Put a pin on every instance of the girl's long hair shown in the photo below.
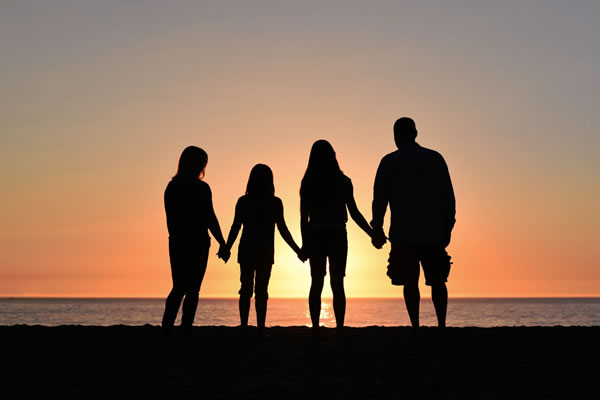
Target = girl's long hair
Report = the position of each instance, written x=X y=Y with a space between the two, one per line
x=192 y=163
x=323 y=173
x=260 y=182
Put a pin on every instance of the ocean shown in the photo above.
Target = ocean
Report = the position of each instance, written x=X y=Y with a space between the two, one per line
x=477 y=312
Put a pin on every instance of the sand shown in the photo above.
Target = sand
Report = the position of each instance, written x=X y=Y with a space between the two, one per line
x=372 y=362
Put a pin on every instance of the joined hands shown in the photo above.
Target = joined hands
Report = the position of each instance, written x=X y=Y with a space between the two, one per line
x=378 y=238
x=302 y=254
x=224 y=253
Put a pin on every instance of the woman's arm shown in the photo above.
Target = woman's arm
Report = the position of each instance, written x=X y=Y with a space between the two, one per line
x=283 y=229
x=213 y=222
x=355 y=212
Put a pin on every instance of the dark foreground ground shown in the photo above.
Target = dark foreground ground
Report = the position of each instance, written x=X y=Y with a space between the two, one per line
x=373 y=362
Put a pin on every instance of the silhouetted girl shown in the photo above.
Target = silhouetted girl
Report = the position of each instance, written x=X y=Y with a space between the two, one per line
x=258 y=211
x=324 y=195
x=190 y=214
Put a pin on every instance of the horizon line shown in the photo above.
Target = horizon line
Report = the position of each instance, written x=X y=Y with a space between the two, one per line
x=24 y=297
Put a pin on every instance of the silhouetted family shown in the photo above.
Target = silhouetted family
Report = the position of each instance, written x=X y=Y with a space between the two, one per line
x=413 y=181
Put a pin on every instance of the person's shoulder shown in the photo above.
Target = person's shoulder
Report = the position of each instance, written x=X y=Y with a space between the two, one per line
x=430 y=153
x=391 y=159
x=277 y=203
x=240 y=204
x=173 y=186
x=168 y=189
x=198 y=187
x=203 y=186
x=346 y=181
x=390 y=156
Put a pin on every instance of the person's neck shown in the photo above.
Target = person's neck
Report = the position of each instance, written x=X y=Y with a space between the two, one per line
x=408 y=142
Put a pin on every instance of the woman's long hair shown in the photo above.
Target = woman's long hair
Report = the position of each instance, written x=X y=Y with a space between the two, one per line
x=192 y=163
x=323 y=173
x=260 y=182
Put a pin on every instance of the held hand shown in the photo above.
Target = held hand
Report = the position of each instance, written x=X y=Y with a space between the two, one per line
x=224 y=253
x=302 y=255
x=378 y=239
x=225 y=256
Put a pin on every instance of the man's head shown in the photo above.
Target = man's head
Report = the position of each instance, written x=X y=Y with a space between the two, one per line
x=405 y=131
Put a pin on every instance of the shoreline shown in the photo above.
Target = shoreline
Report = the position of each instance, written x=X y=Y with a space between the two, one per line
x=368 y=362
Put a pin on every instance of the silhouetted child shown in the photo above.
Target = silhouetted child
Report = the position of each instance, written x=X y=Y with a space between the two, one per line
x=190 y=214
x=258 y=211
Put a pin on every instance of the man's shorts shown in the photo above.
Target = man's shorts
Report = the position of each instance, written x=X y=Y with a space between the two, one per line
x=404 y=269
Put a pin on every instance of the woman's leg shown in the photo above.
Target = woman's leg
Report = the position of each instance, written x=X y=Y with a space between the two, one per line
x=176 y=295
x=172 y=307
x=247 y=281
x=195 y=265
x=314 y=299
x=190 y=303
x=263 y=275
x=339 y=299
x=338 y=254
x=317 y=272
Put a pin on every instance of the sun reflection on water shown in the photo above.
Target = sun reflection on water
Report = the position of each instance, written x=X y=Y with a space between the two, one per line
x=326 y=317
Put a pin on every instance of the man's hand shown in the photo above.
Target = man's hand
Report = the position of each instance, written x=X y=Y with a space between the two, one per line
x=378 y=238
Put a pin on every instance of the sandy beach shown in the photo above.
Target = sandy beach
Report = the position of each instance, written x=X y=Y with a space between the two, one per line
x=372 y=362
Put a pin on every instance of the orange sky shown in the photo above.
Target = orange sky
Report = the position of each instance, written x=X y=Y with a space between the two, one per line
x=98 y=103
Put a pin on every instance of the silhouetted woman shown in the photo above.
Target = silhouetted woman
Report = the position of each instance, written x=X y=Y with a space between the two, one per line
x=259 y=210
x=190 y=214
x=324 y=195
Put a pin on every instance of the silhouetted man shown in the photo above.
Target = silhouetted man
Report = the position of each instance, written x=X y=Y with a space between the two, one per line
x=416 y=184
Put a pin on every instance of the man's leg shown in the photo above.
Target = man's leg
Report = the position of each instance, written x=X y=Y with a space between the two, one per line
x=439 y=295
x=436 y=265
x=404 y=269
x=412 y=297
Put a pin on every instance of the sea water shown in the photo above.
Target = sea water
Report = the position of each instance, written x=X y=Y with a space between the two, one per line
x=479 y=312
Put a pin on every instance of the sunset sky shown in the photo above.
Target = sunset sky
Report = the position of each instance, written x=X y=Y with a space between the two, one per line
x=98 y=99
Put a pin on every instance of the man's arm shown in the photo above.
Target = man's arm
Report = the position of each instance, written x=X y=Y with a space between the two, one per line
x=381 y=198
x=450 y=201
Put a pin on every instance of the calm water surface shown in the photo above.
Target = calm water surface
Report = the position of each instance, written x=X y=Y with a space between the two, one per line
x=294 y=312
